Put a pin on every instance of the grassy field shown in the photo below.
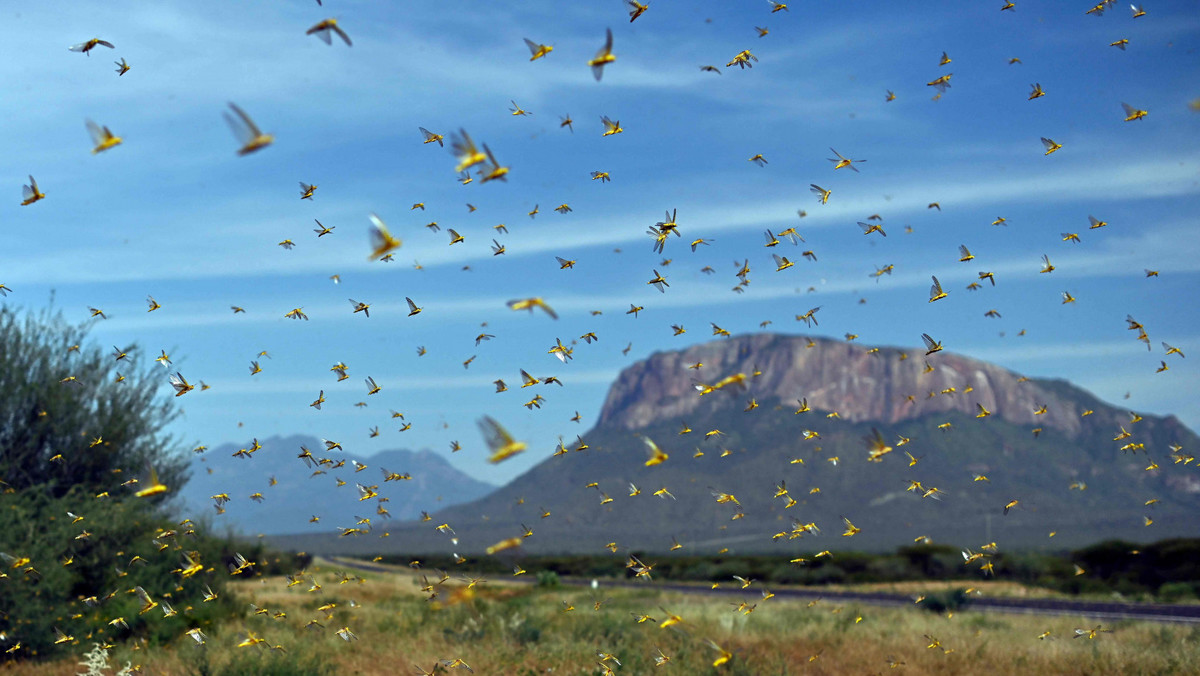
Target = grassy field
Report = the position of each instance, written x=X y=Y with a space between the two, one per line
x=498 y=627
x=991 y=588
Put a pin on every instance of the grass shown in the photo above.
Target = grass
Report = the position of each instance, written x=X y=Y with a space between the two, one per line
x=498 y=627
x=992 y=588
x=1001 y=589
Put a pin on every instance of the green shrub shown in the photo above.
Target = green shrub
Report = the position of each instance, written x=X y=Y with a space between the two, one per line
x=1174 y=592
x=65 y=420
x=76 y=440
x=951 y=600
x=274 y=663
x=828 y=573
x=786 y=573
x=78 y=584
x=889 y=569
x=526 y=633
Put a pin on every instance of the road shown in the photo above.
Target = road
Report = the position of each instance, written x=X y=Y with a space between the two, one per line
x=1100 y=610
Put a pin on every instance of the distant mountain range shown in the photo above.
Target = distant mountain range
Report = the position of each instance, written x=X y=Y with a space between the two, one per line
x=299 y=494
x=1078 y=468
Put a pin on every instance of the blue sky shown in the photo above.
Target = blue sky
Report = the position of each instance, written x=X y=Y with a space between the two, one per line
x=173 y=212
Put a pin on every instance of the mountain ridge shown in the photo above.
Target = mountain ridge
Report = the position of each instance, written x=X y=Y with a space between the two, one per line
x=286 y=505
x=1067 y=470
x=852 y=388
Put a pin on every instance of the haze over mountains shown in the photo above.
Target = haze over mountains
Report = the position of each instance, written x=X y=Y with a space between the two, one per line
x=299 y=494
x=1052 y=447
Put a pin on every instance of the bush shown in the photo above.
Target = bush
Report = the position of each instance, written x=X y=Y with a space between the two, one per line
x=787 y=573
x=548 y=579
x=889 y=569
x=67 y=422
x=77 y=584
x=76 y=539
x=828 y=573
x=265 y=662
x=1175 y=592
x=951 y=600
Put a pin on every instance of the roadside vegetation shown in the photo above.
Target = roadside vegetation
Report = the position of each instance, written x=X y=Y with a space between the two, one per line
x=499 y=627
x=1167 y=571
x=86 y=479
x=98 y=576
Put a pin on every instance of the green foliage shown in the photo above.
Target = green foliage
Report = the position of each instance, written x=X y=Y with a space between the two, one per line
x=79 y=575
x=1122 y=567
x=930 y=561
x=266 y=562
x=950 y=600
x=249 y=664
x=75 y=540
x=305 y=659
x=59 y=396
x=1140 y=569
x=548 y=579
x=1175 y=592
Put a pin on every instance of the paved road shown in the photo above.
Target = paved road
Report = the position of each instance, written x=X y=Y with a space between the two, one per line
x=1152 y=612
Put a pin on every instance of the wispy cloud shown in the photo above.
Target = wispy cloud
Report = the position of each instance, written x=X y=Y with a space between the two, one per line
x=1108 y=260
x=1055 y=353
x=399 y=381
x=175 y=213
x=240 y=250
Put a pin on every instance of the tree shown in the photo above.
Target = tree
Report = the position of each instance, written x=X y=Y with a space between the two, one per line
x=72 y=415
x=77 y=427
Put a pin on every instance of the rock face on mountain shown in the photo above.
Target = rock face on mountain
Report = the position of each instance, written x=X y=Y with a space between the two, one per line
x=884 y=385
x=1079 y=468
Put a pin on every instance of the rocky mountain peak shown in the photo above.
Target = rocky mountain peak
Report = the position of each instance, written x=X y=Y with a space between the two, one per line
x=859 y=382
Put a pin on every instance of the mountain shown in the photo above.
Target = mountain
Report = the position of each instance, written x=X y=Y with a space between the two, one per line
x=288 y=505
x=1045 y=443
x=860 y=383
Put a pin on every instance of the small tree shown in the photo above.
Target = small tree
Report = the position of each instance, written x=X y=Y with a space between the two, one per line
x=75 y=539
x=67 y=419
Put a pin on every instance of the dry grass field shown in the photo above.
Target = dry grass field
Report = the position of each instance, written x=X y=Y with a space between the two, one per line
x=498 y=627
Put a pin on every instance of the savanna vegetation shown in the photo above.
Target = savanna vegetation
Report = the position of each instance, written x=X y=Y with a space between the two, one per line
x=496 y=626
x=80 y=443
x=96 y=574
x=1167 y=571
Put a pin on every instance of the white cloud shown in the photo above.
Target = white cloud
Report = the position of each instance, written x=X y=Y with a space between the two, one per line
x=232 y=255
x=1035 y=352
x=398 y=381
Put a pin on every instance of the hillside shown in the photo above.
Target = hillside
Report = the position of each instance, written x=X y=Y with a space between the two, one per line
x=1070 y=478
x=288 y=505
x=860 y=383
